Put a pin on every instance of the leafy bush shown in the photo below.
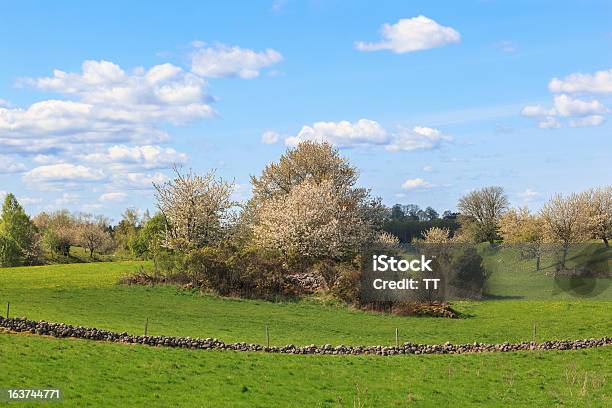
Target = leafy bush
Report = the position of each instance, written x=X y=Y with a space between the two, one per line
x=10 y=253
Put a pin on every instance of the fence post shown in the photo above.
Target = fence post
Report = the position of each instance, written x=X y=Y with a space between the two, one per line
x=396 y=337
x=534 y=333
x=146 y=326
x=267 y=336
x=8 y=309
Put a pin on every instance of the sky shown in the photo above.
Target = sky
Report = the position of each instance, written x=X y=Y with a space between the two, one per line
x=428 y=99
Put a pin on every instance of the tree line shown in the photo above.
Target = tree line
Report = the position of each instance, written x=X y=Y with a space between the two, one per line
x=306 y=214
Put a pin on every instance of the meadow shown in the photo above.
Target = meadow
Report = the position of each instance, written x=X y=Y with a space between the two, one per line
x=94 y=374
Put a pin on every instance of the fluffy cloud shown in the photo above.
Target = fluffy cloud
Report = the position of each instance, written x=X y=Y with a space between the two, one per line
x=549 y=123
x=412 y=184
x=567 y=106
x=365 y=132
x=231 y=61
x=537 y=110
x=417 y=138
x=412 y=34
x=10 y=165
x=269 y=137
x=113 y=196
x=61 y=175
x=342 y=134
x=147 y=157
x=568 y=110
x=598 y=82
x=593 y=120
x=108 y=105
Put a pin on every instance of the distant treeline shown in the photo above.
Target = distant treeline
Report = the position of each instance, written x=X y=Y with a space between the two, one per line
x=410 y=221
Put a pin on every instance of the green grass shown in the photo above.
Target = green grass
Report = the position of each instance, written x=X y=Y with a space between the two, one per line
x=513 y=277
x=88 y=295
x=109 y=375
x=105 y=374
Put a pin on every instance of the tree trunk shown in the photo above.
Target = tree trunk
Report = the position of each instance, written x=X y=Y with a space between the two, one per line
x=538 y=262
x=605 y=240
x=91 y=253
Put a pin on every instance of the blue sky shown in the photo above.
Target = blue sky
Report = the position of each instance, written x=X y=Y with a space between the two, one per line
x=428 y=99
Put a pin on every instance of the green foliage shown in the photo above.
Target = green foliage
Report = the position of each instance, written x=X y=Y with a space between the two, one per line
x=407 y=229
x=20 y=232
x=10 y=253
x=238 y=271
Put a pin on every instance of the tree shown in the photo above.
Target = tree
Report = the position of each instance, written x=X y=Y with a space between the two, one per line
x=397 y=213
x=437 y=235
x=598 y=204
x=309 y=160
x=58 y=231
x=195 y=209
x=316 y=221
x=565 y=221
x=483 y=208
x=16 y=225
x=431 y=214
x=93 y=237
x=520 y=228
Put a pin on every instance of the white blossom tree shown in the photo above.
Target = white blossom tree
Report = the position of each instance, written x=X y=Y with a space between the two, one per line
x=316 y=220
x=195 y=209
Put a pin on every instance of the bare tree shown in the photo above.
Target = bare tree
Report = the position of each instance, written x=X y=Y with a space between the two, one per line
x=483 y=208
x=195 y=209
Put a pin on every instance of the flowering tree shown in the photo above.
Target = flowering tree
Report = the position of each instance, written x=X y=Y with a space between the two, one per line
x=315 y=221
x=598 y=205
x=520 y=227
x=195 y=209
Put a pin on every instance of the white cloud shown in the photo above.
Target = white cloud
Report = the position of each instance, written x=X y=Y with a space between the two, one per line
x=529 y=194
x=598 y=82
x=113 y=196
x=427 y=168
x=549 y=123
x=108 y=105
x=537 y=110
x=342 y=134
x=593 y=120
x=506 y=46
x=62 y=172
x=366 y=132
x=10 y=165
x=417 y=138
x=4 y=102
x=29 y=200
x=147 y=157
x=139 y=180
x=223 y=60
x=67 y=198
x=412 y=34
x=269 y=137
x=567 y=106
x=412 y=184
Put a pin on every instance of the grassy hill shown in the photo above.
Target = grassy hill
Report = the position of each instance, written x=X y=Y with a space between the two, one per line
x=88 y=294
x=100 y=374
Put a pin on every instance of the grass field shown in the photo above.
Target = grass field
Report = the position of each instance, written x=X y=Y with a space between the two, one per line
x=101 y=374
x=88 y=295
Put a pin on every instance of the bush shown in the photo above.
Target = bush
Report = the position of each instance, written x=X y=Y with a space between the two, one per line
x=10 y=253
